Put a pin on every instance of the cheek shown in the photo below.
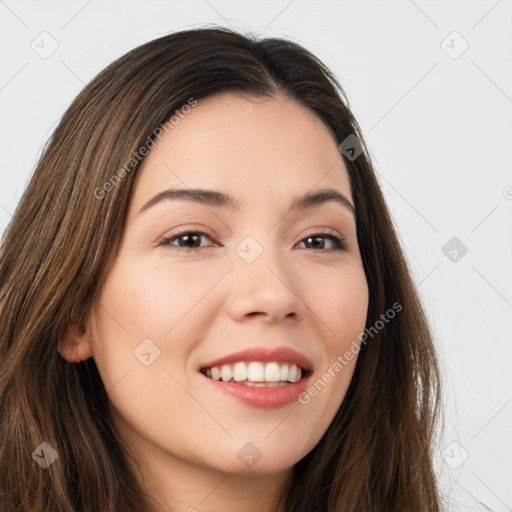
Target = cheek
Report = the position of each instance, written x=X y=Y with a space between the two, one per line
x=340 y=306
x=340 y=303
x=150 y=299
x=142 y=309
x=167 y=304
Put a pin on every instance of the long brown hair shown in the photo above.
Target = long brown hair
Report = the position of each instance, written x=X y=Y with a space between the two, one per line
x=377 y=454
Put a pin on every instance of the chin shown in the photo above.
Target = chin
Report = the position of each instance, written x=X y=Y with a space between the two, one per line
x=257 y=457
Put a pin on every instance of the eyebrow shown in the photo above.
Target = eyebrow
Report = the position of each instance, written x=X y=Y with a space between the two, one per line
x=218 y=199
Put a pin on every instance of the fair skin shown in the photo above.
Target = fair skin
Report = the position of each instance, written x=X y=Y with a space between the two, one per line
x=200 y=305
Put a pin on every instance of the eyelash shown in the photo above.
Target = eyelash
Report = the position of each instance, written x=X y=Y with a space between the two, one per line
x=339 y=242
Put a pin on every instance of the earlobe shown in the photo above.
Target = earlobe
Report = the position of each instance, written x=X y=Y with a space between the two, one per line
x=75 y=346
x=74 y=351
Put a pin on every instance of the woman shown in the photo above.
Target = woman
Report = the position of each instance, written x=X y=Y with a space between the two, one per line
x=204 y=303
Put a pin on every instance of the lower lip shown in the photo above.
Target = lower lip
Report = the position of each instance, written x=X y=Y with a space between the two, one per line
x=261 y=397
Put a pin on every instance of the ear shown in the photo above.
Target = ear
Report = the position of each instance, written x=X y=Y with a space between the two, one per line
x=75 y=345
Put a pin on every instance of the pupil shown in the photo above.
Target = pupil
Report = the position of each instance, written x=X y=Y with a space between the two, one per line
x=188 y=238
x=317 y=238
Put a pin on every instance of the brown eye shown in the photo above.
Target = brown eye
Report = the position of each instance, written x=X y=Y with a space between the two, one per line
x=317 y=241
x=190 y=241
x=187 y=240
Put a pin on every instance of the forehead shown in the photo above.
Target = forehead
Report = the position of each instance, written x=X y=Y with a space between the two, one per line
x=259 y=150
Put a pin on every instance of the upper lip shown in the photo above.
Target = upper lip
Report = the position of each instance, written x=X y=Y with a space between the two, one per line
x=278 y=354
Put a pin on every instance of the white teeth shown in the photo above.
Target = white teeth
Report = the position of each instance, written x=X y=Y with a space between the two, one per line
x=284 y=372
x=272 y=373
x=239 y=372
x=226 y=372
x=292 y=373
x=256 y=373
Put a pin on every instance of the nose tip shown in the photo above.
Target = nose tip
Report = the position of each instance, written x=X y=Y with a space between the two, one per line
x=263 y=294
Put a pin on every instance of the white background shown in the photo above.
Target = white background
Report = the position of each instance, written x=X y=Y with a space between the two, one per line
x=439 y=129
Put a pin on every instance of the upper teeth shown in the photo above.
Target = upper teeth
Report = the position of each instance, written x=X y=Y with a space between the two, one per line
x=256 y=372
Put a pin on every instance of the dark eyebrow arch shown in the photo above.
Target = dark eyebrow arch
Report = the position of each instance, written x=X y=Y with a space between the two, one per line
x=319 y=197
x=222 y=200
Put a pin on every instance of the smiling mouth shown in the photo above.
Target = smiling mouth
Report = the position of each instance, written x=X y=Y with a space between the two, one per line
x=257 y=374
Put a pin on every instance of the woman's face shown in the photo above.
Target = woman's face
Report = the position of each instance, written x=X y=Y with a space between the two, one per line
x=178 y=302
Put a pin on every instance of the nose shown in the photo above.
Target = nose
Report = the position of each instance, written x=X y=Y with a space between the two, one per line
x=266 y=288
